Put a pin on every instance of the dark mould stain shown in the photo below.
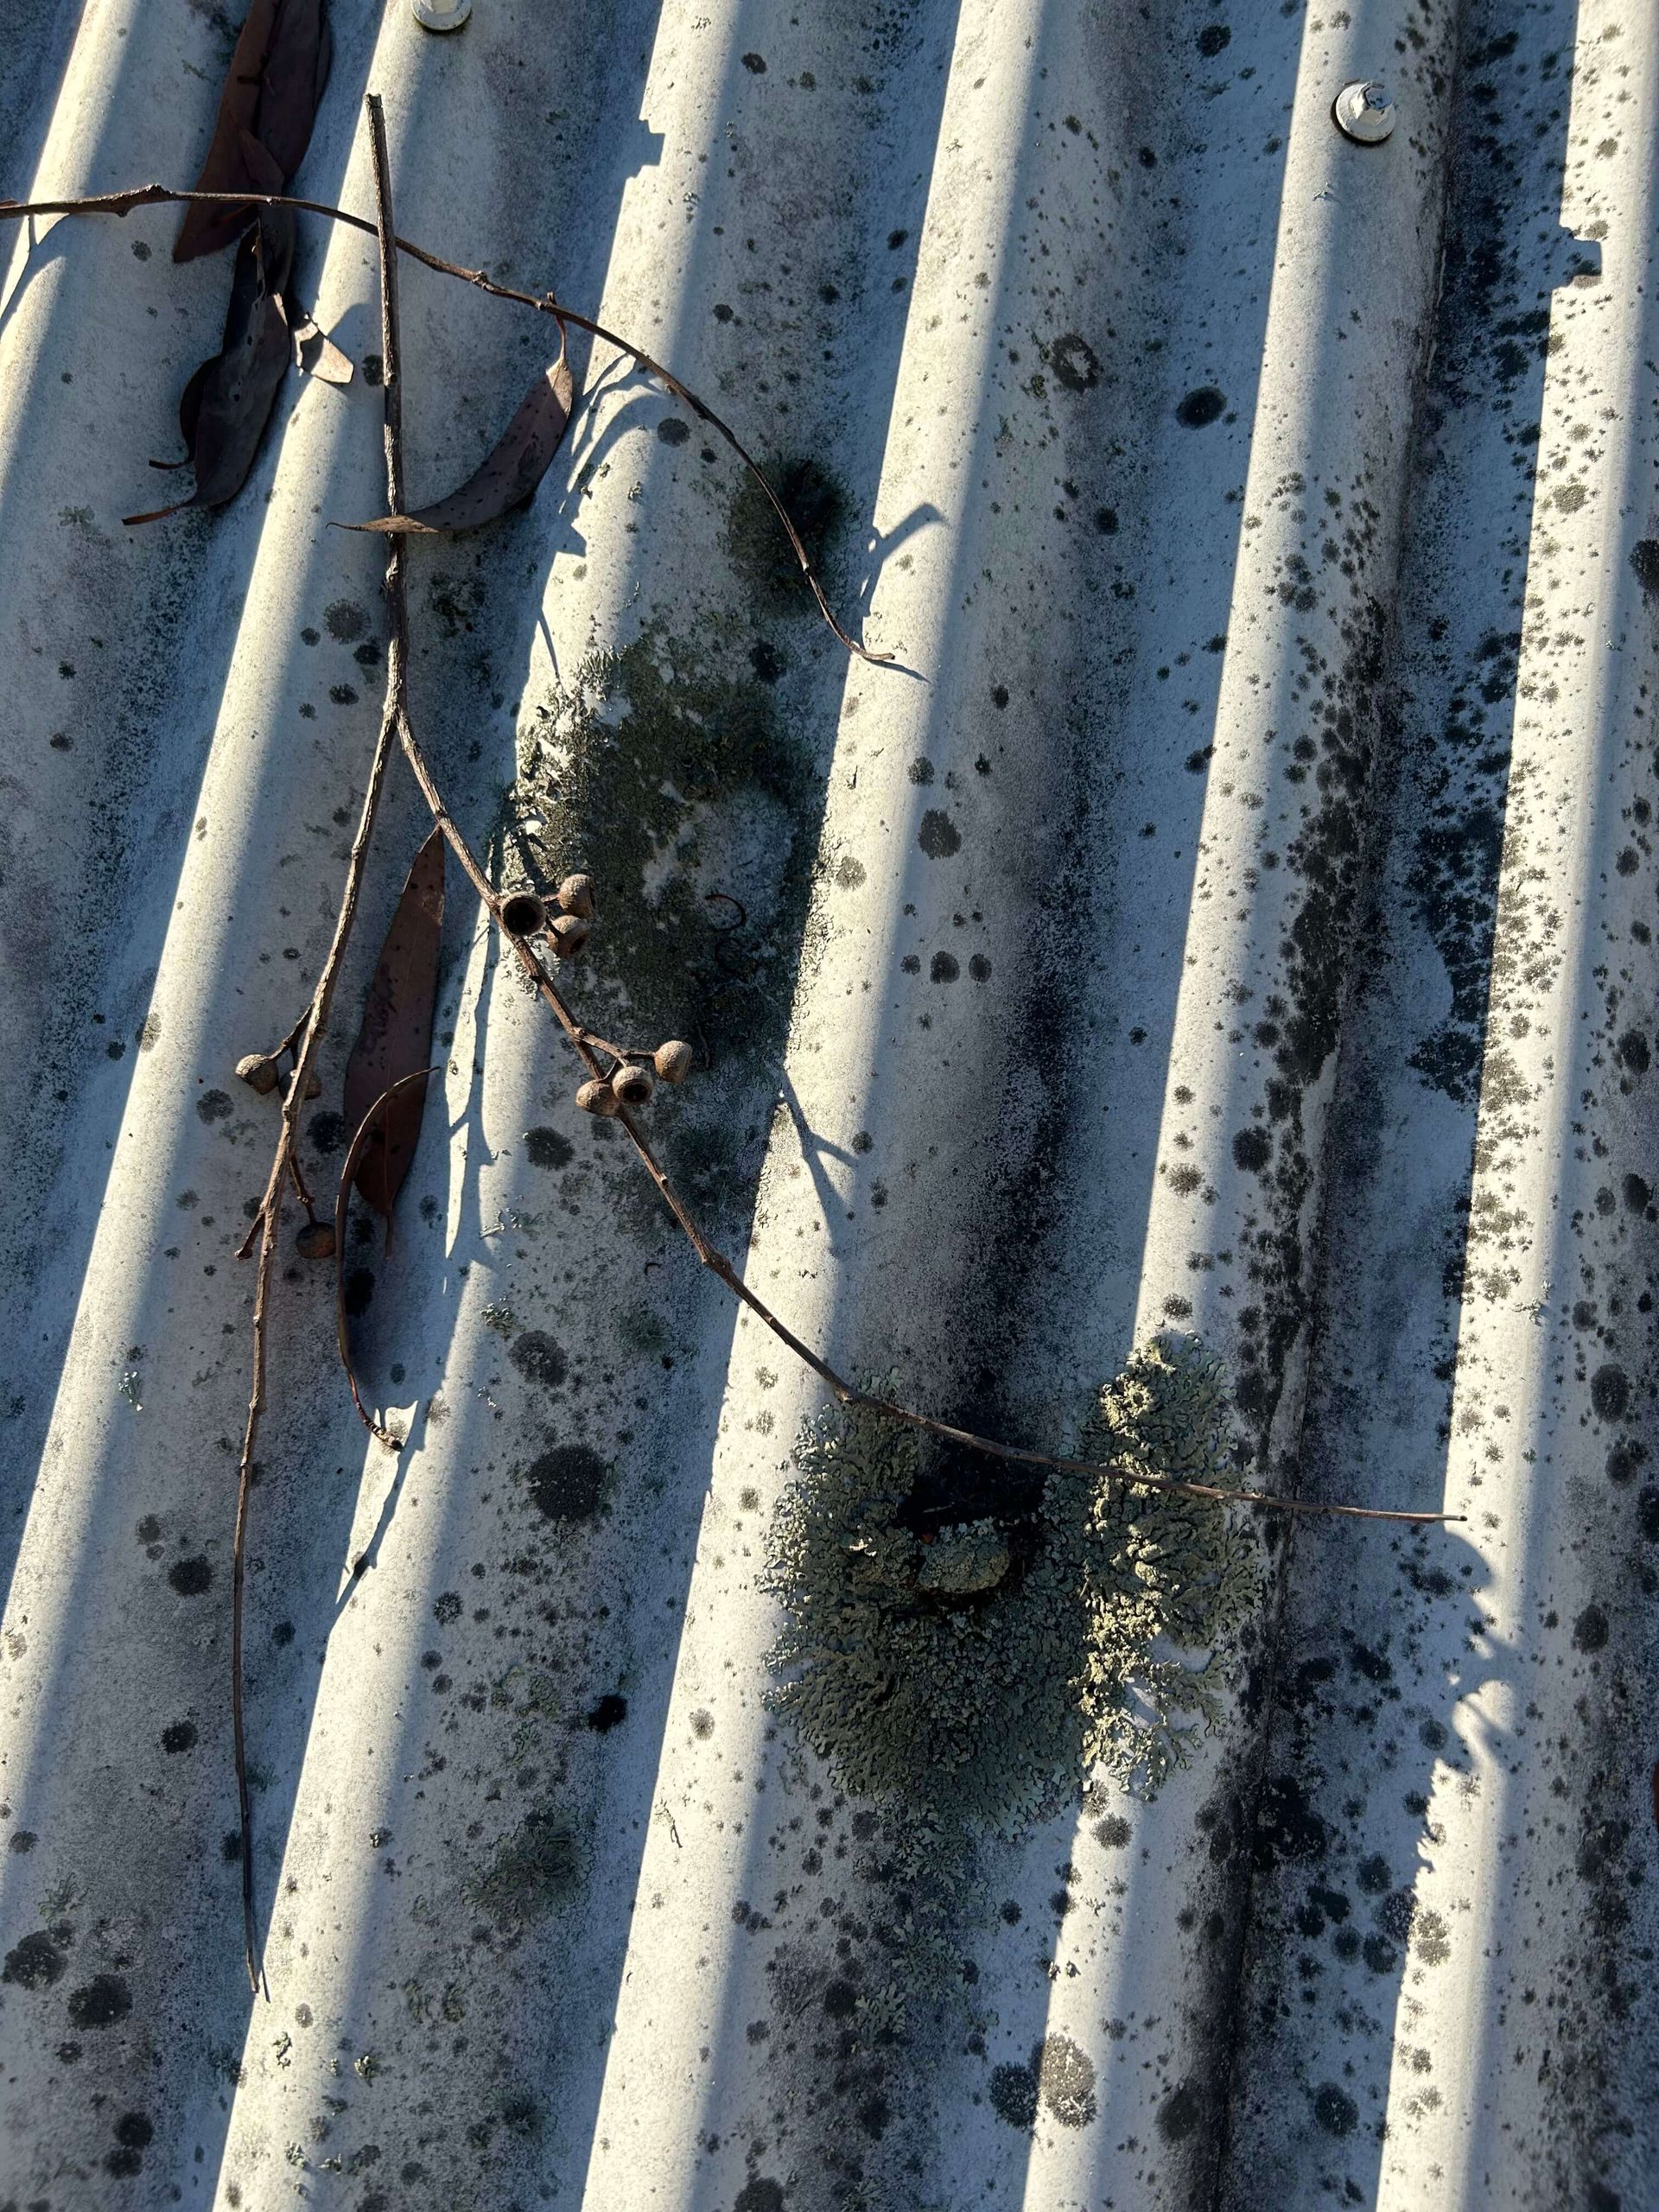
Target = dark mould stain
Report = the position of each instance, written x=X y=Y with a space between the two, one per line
x=1014 y=2096
x=672 y=431
x=755 y=64
x=327 y=1132
x=1075 y=363
x=35 y=1963
x=1252 y=1149
x=945 y=968
x=360 y=1290
x=1610 y=1391
x=1200 y=407
x=1212 y=39
x=767 y=661
x=547 y=1148
x=345 y=619
x=938 y=836
x=1286 y=1826
x=100 y=2003
x=759 y=2196
x=1590 y=1630
x=1180 y=2113
x=1644 y=564
x=215 y=1106
x=537 y=1356
x=180 y=1737
x=610 y=1712
x=1335 y=2110
x=190 y=1577
x=567 y=1483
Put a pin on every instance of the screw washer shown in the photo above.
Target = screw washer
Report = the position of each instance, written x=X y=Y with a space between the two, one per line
x=1362 y=111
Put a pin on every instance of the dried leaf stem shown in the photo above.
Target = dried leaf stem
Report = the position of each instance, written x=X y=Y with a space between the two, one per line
x=153 y=195
x=268 y=1221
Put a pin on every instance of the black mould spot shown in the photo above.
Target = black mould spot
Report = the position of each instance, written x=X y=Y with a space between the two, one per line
x=134 y=2129
x=567 y=1483
x=1180 y=2113
x=755 y=64
x=1112 y=1833
x=1212 y=39
x=999 y=696
x=1644 y=561
x=945 y=968
x=282 y=1634
x=1075 y=363
x=547 y=1148
x=672 y=431
x=345 y=619
x=448 y=1608
x=758 y=2195
x=1014 y=2096
x=326 y=1131
x=148 y=1530
x=1335 y=2110
x=610 y=1712
x=22 y=1840
x=360 y=1290
x=767 y=661
x=343 y=695
x=980 y=969
x=1590 y=1630
x=1373 y=1876
x=1106 y=521
x=1610 y=1392
x=921 y=769
x=215 y=1106
x=537 y=1356
x=938 y=836
x=100 y=2003
x=1639 y=1194
x=1633 y=1047
x=1200 y=407
x=190 y=1577
x=1286 y=1826
x=180 y=1737
x=35 y=1963
x=841 y=2001
x=849 y=873
x=1252 y=1149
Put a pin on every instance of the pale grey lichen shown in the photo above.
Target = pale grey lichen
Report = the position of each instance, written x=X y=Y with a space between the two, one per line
x=978 y=1679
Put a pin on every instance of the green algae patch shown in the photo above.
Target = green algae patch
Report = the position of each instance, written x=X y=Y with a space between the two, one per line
x=676 y=784
x=978 y=1676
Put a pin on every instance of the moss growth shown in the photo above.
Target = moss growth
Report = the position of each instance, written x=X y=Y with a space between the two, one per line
x=535 y=1870
x=1089 y=1637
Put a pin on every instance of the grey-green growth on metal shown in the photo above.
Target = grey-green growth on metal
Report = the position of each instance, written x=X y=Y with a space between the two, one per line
x=980 y=1690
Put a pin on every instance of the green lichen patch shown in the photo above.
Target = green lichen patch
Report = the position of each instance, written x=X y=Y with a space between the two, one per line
x=981 y=1692
x=535 y=1870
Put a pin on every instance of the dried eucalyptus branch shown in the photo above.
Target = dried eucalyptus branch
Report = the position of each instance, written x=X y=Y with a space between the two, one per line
x=153 y=195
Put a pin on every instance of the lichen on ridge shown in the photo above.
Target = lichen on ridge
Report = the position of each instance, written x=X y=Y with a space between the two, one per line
x=979 y=1676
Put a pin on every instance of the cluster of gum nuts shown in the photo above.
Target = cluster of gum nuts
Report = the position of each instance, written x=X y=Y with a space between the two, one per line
x=635 y=1076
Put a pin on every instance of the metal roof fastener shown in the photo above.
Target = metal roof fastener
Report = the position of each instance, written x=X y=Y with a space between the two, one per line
x=441 y=14
x=1364 y=112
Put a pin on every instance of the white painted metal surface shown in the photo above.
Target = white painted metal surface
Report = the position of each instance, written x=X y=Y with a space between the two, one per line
x=1235 y=912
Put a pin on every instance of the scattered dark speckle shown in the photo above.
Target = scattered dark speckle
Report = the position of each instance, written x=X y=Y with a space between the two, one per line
x=100 y=2003
x=190 y=1577
x=1200 y=407
x=938 y=836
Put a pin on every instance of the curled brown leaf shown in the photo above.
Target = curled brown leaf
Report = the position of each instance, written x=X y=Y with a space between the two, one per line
x=511 y=469
x=272 y=94
x=395 y=1037
x=393 y=1100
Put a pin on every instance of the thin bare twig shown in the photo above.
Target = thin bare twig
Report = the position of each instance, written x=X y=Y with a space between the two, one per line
x=268 y=1221
x=153 y=195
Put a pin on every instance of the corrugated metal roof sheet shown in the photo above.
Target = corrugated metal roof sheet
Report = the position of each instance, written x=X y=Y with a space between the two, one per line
x=1236 y=913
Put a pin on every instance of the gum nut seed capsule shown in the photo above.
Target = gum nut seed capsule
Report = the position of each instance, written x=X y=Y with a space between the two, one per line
x=597 y=1097
x=632 y=1083
x=672 y=1061
x=570 y=936
x=316 y=1241
x=258 y=1071
x=576 y=895
x=523 y=914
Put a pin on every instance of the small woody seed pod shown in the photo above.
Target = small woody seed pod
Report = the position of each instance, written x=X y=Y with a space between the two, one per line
x=258 y=1071
x=315 y=1241
x=576 y=895
x=633 y=1084
x=672 y=1061
x=569 y=935
x=523 y=914
x=597 y=1097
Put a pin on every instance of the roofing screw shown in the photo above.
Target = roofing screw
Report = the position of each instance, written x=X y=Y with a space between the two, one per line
x=1363 y=112
x=442 y=15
